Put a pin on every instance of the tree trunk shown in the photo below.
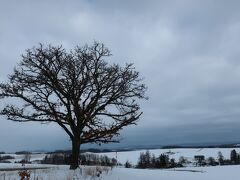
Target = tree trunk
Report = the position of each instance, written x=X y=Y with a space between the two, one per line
x=74 y=161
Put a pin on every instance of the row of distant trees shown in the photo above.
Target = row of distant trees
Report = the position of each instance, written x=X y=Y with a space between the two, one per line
x=220 y=160
x=148 y=160
x=84 y=159
x=5 y=158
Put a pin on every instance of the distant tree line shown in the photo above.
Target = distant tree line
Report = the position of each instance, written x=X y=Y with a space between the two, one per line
x=56 y=158
x=22 y=152
x=6 y=158
x=94 y=159
x=84 y=159
x=91 y=150
x=148 y=160
x=221 y=160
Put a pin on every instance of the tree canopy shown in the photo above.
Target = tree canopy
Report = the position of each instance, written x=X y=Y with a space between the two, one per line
x=90 y=98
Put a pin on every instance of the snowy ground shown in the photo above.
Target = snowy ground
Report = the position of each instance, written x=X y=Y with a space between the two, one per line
x=54 y=172
x=193 y=173
x=9 y=171
x=19 y=157
x=206 y=173
x=133 y=156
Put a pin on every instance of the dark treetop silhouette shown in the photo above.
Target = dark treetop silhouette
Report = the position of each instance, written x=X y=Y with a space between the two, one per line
x=92 y=100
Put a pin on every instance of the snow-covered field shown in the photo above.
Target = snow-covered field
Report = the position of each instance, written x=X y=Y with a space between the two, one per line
x=133 y=156
x=19 y=157
x=62 y=172
x=205 y=173
x=54 y=172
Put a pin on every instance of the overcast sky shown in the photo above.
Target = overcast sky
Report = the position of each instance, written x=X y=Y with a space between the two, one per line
x=187 y=51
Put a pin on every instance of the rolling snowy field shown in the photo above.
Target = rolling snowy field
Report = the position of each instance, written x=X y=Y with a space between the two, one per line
x=19 y=157
x=193 y=173
x=9 y=171
x=133 y=156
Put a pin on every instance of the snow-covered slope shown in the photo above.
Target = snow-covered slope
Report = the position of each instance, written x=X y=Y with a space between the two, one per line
x=19 y=157
x=133 y=156
x=205 y=173
x=54 y=172
x=194 y=173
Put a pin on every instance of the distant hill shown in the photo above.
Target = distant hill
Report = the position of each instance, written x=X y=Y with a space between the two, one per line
x=139 y=147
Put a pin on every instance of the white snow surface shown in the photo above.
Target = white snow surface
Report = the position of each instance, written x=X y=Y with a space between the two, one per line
x=19 y=157
x=194 y=173
x=62 y=172
x=132 y=156
x=205 y=173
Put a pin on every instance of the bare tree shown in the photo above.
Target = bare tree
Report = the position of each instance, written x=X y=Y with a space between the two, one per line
x=91 y=99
